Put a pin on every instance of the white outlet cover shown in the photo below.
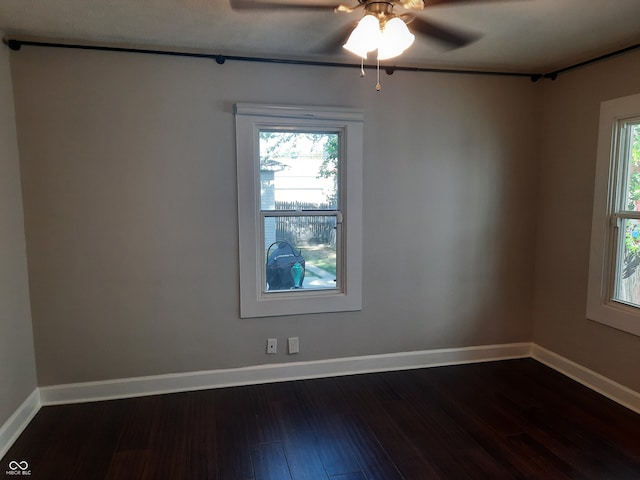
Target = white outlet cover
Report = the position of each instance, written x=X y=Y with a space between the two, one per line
x=294 y=346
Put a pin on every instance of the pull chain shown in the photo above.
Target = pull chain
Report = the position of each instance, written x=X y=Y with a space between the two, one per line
x=378 y=86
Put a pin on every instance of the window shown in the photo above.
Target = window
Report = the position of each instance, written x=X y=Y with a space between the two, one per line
x=299 y=208
x=614 y=269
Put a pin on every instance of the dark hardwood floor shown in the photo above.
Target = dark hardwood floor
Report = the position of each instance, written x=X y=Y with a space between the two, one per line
x=513 y=419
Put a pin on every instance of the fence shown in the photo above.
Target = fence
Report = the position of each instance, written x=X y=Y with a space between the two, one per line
x=306 y=229
x=629 y=284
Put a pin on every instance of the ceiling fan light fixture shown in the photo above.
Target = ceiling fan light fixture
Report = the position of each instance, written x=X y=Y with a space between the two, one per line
x=365 y=37
x=395 y=39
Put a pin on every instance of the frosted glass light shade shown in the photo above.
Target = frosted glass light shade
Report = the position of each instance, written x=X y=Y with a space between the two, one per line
x=396 y=38
x=365 y=37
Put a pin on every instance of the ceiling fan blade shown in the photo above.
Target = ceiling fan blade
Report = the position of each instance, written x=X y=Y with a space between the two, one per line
x=449 y=36
x=270 y=5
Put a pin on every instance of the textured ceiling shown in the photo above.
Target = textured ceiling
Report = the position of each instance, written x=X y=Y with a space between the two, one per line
x=517 y=36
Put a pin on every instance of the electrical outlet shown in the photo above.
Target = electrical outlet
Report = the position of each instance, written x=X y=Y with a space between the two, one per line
x=294 y=345
x=272 y=345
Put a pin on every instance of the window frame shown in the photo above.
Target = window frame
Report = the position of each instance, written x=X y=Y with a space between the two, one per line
x=609 y=212
x=347 y=296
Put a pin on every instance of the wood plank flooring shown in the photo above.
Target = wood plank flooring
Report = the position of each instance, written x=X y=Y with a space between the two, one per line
x=513 y=419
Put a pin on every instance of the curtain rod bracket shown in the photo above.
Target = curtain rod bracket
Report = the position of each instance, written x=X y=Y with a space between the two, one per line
x=12 y=43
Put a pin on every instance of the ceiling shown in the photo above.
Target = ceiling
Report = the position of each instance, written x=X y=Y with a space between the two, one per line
x=531 y=36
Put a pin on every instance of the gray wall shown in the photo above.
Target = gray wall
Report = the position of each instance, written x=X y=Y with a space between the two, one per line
x=17 y=364
x=130 y=211
x=567 y=161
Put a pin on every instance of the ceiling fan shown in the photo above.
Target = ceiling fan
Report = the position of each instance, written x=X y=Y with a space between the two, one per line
x=384 y=12
x=380 y=27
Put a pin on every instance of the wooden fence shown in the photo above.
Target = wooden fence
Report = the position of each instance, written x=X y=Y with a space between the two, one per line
x=629 y=287
x=306 y=229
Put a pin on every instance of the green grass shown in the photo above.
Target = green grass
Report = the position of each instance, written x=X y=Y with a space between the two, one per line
x=321 y=256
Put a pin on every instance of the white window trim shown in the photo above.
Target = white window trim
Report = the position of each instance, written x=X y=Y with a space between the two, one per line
x=600 y=305
x=250 y=118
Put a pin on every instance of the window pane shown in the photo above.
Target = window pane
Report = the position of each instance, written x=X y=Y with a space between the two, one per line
x=627 y=280
x=298 y=170
x=300 y=252
x=631 y=156
x=628 y=271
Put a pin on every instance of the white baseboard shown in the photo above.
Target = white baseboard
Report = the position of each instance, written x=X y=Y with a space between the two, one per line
x=141 y=386
x=159 y=384
x=13 y=427
x=599 y=383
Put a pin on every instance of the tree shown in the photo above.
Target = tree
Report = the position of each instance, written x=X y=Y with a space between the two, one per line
x=631 y=230
x=329 y=166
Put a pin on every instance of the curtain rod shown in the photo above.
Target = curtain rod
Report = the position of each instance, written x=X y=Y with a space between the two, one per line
x=554 y=74
x=15 y=44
